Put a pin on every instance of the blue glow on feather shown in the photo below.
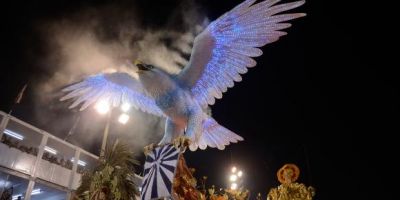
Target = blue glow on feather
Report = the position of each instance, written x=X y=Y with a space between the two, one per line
x=117 y=95
x=236 y=35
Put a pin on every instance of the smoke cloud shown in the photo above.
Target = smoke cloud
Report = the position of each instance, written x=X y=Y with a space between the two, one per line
x=101 y=39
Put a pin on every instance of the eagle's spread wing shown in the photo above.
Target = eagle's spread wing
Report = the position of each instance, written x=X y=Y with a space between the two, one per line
x=115 y=88
x=224 y=49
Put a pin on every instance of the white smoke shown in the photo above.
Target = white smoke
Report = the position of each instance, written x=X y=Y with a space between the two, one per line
x=84 y=44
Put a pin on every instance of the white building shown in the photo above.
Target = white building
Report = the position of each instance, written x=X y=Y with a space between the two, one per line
x=37 y=165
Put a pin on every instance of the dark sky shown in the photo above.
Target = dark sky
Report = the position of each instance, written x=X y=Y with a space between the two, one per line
x=320 y=97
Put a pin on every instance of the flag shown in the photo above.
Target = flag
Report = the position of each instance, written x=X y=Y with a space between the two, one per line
x=20 y=94
x=159 y=172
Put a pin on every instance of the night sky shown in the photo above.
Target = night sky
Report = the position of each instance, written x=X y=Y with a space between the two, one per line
x=320 y=97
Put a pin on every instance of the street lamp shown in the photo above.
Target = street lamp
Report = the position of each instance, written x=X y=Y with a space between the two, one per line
x=233 y=169
x=123 y=118
x=240 y=174
x=125 y=107
x=233 y=186
x=103 y=107
x=235 y=178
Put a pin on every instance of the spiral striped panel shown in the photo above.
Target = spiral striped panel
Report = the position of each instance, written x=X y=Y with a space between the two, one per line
x=159 y=171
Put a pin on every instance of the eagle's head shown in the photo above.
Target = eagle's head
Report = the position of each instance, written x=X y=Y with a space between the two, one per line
x=152 y=78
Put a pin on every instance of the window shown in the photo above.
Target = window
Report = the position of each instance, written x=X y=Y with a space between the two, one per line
x=12 y=186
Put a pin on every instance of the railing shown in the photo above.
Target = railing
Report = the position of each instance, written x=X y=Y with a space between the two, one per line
x=38 y=154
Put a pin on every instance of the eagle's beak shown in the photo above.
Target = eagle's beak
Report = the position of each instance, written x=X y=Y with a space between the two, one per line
x=142 y=67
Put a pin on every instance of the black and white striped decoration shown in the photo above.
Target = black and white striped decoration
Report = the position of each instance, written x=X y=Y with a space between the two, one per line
x=159 y=172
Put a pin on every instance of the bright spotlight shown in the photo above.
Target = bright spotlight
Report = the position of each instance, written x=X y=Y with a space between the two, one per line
x=80 y=162
x=233 y=169
x=50 y=150
x=102 y=107
x=240 y=173
x=13 y=134
x=125 y=107
x=36 y=191
x=233 y=186
x=233 y=178
x=123 y=118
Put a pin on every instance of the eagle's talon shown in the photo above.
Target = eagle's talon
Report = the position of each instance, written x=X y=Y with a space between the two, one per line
x=181 y=141
x=147 y=149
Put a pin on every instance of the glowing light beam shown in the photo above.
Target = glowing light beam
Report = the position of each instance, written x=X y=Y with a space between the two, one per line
x=102 y=107
x=13 y=134
x=125 y=107
x=50 y=150
x=123 y=118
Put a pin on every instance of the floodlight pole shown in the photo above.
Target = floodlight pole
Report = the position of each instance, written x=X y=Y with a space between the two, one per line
x=105 y=134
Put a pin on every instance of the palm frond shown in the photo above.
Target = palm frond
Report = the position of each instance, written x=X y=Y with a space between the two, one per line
x=112 y=178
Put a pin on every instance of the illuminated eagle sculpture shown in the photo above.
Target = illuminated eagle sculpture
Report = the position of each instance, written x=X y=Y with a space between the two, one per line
x=221 y=53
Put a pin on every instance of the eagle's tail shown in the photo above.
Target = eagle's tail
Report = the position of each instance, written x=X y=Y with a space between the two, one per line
x=215 y=136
